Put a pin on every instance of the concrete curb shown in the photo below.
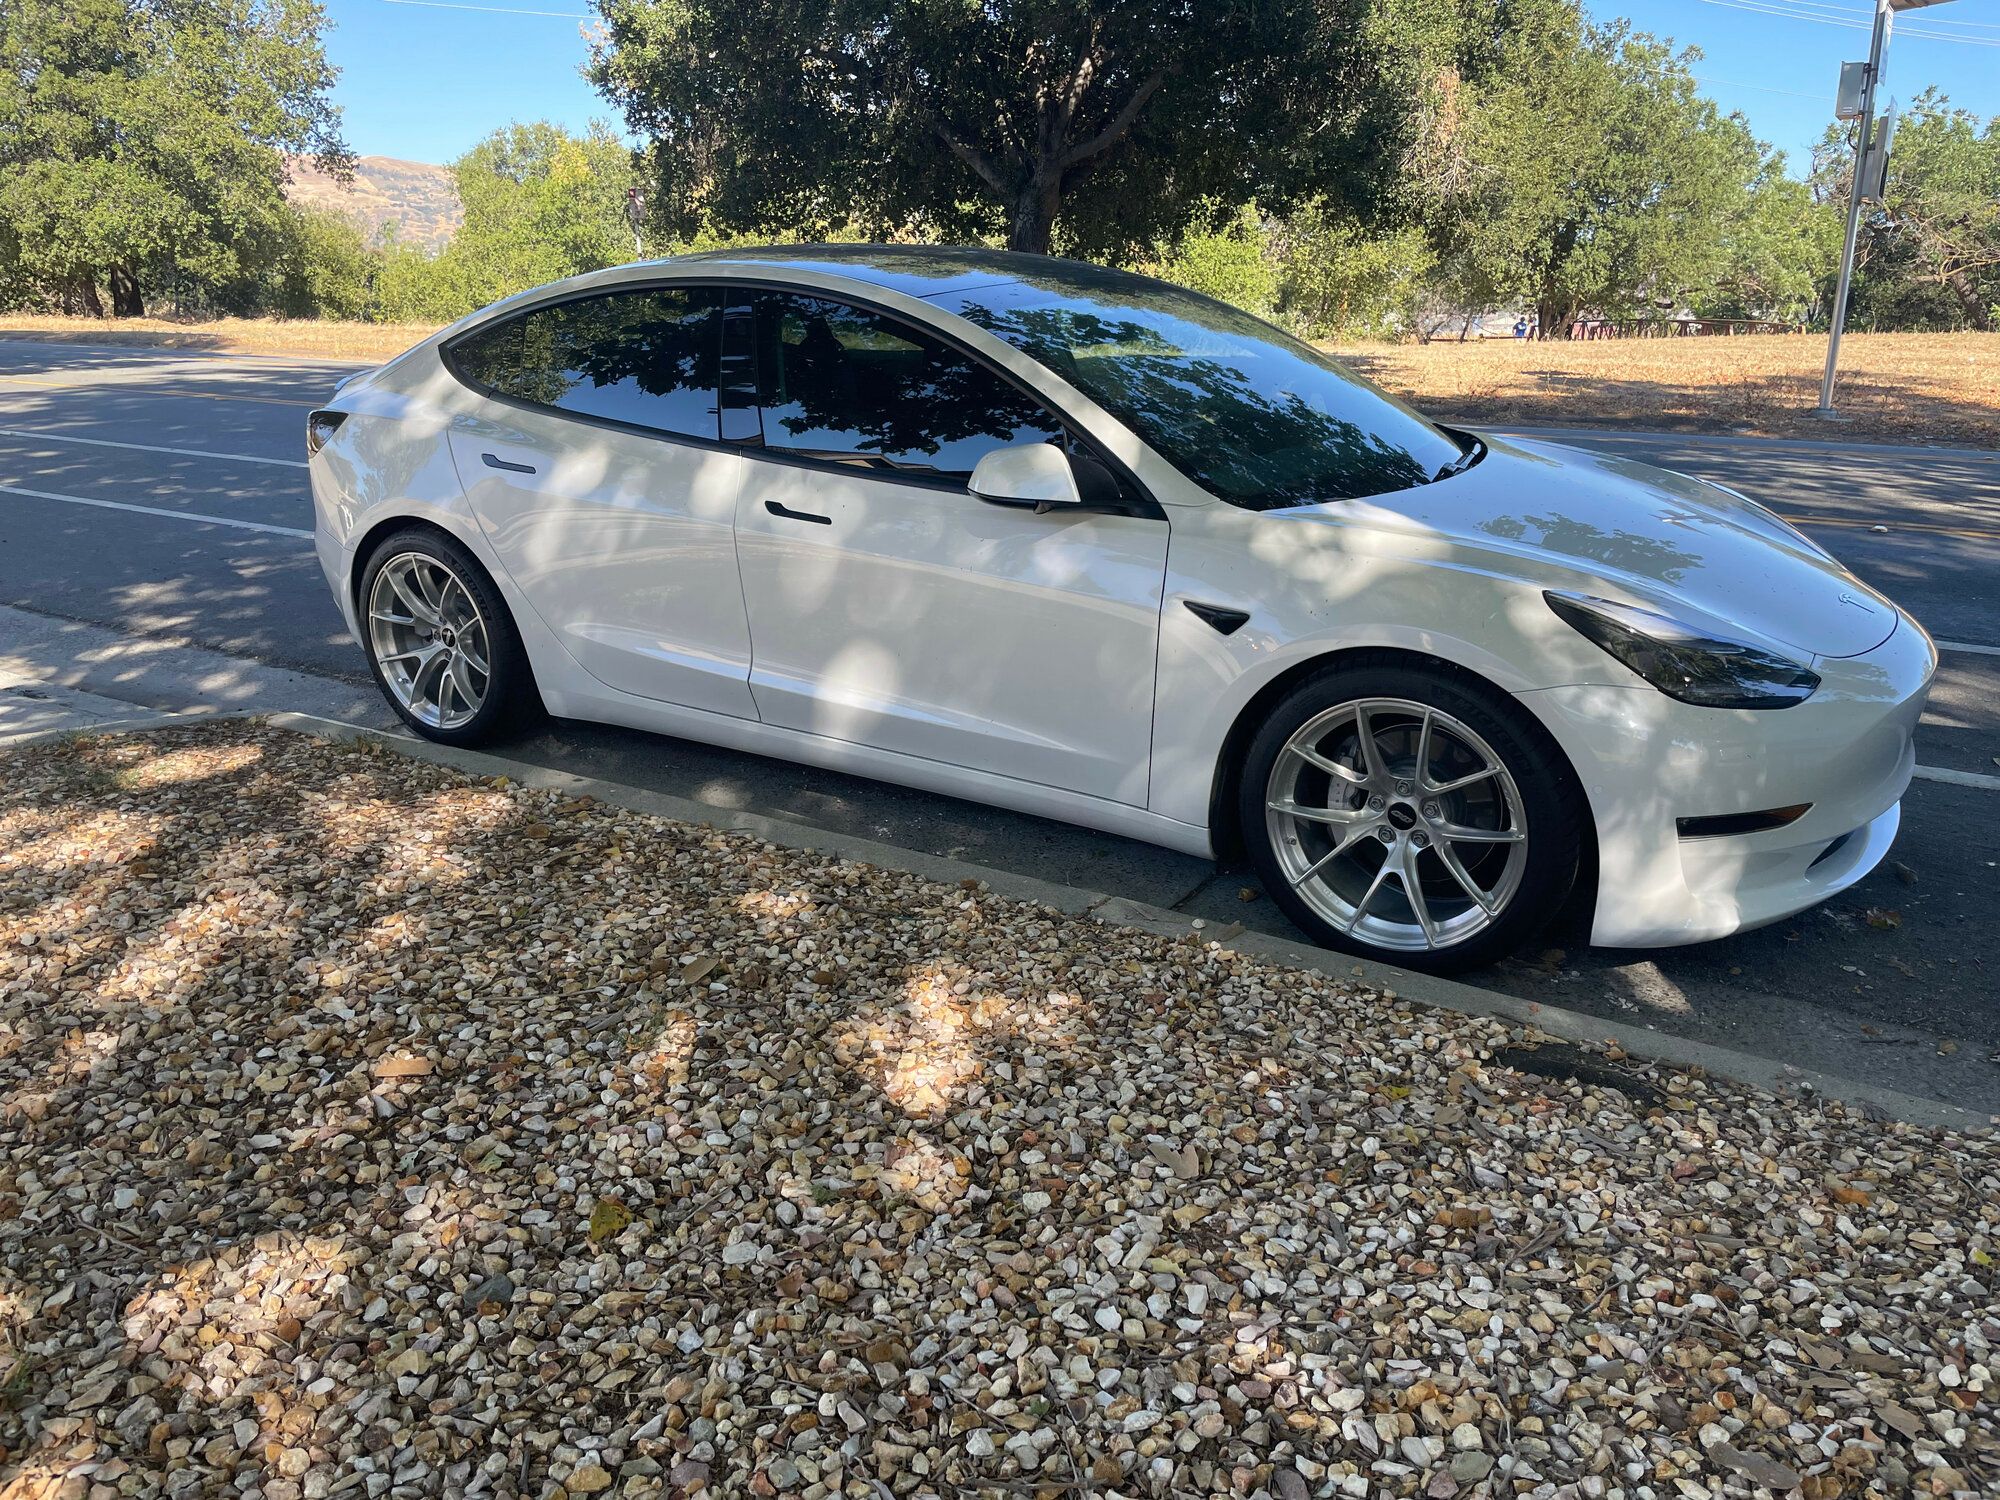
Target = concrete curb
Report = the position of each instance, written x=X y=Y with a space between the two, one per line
x=1426 y=989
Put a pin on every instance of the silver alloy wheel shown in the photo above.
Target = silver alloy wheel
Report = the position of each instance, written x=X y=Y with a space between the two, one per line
x=1384 y=790
x=429 y=638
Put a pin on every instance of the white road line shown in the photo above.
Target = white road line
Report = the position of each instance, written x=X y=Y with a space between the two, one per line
x=156 y=510
x=1965 y=646
x=239 y=458
x=1959 y=778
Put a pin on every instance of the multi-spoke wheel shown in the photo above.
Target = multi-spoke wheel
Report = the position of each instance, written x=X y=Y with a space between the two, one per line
x=439 y=638
x=1409 y=817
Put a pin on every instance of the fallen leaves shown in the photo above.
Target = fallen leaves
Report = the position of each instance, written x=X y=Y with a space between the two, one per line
x=405 y=1067
x=609 y=1218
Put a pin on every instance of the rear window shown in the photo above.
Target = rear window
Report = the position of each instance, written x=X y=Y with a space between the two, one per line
x=646 y=357
x=1245 y=410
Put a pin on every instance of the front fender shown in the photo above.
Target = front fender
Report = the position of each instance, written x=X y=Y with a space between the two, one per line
x=1314 y=587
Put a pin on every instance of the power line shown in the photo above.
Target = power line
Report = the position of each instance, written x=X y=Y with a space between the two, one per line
x=1864 y=15
x=1762 y=88
x=494 y=10
x=1772 y=8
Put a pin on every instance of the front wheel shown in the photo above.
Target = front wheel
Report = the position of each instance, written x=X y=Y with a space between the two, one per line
x=1409 y=816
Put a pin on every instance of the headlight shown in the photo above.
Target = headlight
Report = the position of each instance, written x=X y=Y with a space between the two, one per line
x=1683 y=663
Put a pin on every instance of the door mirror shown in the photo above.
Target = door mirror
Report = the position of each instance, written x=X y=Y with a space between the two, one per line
x=1037 y=474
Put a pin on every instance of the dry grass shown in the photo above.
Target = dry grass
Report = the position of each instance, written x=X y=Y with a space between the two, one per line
x=1894 y=387
x=303 y=337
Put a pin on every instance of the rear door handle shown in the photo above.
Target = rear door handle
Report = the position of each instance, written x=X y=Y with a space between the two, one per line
x=796 y=515
x=493 y=461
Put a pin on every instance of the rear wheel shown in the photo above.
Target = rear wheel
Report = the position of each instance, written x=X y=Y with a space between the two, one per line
x=440 y=641
x=1410 y=816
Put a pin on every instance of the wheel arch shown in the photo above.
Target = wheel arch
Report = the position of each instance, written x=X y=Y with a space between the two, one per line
x=370 y=542
x=1225 y=830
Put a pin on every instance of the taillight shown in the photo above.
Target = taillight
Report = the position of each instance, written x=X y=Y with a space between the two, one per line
x=320 y=426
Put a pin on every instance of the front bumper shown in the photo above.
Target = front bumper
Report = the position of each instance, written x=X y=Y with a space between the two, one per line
x=1646 y=761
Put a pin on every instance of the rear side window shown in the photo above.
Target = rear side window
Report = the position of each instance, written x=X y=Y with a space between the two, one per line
x=851 y=386
x=644 y=357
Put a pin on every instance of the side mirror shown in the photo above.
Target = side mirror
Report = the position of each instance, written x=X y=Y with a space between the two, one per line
x=1037 y=474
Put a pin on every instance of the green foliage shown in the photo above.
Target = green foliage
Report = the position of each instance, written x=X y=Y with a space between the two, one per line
x=324 y=270
x=956 y=120
x=540 y=204
x=1339 y=279
x=1931 y=259
x=413 y=286
x=142 y=144
x=1595 y=178
x=1778 y=251
x=1230 y=261
x=1352 y=167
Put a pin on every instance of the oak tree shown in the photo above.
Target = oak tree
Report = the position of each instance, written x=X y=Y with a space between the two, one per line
x=956 y=118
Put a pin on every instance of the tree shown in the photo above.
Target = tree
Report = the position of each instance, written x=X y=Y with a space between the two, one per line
x=1779 y=250
x=1336 y=277
x=1932 y=258
x=324 y=271
x=1592 y=178
x=142 y=142
x=1110 y=117
x=540 y=204
x=1231 y=261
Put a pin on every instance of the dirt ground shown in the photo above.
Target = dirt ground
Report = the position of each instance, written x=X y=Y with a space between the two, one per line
x=1893 y=387
x=302 y=338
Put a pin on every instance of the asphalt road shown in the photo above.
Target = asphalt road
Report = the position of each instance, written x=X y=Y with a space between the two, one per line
x=1893 y=982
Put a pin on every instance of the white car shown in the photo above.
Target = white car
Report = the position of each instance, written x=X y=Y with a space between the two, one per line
x=1086 y=545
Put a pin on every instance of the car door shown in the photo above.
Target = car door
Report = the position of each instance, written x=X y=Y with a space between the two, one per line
x=594 y=469
x=889 y=607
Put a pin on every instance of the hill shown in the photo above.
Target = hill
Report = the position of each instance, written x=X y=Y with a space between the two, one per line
x=419 y=199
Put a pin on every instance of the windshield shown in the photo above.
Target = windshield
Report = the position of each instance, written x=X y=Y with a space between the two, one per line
x=1248 y=412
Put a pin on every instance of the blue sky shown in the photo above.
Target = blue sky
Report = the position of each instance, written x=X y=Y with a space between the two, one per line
x=424 y=81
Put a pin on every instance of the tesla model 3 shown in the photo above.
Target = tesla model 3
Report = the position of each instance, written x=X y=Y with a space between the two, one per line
x=1090 y=546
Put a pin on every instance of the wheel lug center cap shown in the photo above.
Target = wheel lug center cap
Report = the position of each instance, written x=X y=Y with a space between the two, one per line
x=1402 y=817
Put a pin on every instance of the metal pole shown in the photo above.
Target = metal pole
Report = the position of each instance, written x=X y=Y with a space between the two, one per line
x=1876 y=47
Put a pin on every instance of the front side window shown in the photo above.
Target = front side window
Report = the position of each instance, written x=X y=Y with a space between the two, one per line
x=854 y=387
x=645 y=357
x=1246 y=411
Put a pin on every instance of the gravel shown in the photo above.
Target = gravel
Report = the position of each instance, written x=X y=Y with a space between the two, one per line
x=373 y=1130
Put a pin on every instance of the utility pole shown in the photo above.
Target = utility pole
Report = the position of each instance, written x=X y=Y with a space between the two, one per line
x=1878 y=48
x=635 y=214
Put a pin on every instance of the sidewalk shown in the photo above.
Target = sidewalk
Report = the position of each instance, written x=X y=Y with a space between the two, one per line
x=58 y=674
x=31 y=706
x=511 y=1141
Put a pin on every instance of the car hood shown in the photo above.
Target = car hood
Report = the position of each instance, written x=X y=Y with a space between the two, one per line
x=1667 y=538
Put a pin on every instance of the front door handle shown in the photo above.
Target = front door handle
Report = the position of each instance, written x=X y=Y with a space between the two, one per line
x=796 y=515
x=493 y=461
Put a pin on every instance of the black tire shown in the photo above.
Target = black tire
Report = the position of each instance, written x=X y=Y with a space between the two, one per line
x=1550 y=801
x=511 y=700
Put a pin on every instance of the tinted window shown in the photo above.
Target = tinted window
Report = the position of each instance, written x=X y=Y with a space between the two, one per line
x=645 y=357
x=841 y=383
x=1251 y=414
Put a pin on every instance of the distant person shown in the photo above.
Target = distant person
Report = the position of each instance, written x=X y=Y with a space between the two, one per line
x=1521 y=328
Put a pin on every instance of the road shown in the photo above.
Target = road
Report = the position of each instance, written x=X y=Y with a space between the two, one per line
x=162 y=496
